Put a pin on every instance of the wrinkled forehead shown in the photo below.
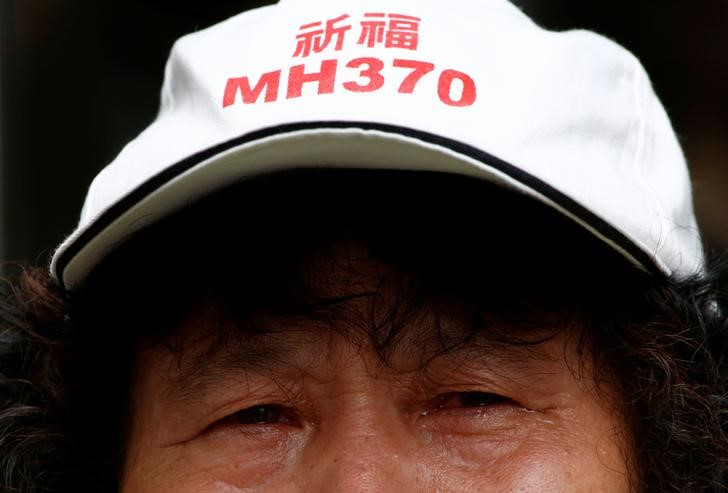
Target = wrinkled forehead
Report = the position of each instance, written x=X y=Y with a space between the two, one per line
x=370 y=303
x=345 y=291
x=362 y=317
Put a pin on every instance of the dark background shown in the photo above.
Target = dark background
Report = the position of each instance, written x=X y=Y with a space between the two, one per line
x=79 y=78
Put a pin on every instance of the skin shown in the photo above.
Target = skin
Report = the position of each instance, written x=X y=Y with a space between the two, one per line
x=309 y=406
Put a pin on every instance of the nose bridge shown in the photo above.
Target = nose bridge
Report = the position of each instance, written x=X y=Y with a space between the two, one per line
x=364 y=460
x=364 y=443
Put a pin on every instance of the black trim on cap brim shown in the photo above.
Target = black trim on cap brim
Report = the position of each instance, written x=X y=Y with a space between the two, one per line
x=603 y=228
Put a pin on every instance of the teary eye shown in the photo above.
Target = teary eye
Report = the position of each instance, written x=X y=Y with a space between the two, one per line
x=262 y=414
x=470 y=399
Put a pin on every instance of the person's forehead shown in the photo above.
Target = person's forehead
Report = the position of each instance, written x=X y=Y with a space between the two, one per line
x=207 y=352
x=471 y=311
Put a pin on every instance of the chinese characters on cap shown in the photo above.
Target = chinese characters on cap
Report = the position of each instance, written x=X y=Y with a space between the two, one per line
x=375 y=30
x=389 y=30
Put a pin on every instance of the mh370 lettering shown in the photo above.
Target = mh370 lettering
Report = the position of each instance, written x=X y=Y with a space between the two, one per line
x=360 y=75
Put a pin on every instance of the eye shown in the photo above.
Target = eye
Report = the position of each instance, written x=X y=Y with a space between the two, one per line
x=470 y=399
x=263 y=414
x=262 y=422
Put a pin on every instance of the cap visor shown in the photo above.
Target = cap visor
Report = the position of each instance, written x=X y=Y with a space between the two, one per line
x=354 y=145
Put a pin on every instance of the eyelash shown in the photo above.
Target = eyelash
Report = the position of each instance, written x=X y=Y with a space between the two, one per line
x=269 y=414
x=263 y=414
x=469 y=399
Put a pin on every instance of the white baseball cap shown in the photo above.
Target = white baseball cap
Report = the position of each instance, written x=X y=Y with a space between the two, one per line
x=471 y=87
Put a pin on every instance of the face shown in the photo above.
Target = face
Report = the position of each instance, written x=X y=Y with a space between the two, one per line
x=310 y=405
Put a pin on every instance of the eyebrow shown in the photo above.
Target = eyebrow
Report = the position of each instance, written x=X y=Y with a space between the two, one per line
x=275 y=351
x=263 y=354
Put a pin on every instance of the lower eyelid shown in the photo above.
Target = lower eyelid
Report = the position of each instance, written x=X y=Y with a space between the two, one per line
x=486 y=420
x=504 y=406
x=257 y=433
x=231 y=425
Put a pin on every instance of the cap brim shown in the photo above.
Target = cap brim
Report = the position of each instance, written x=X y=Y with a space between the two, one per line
x=310 y=145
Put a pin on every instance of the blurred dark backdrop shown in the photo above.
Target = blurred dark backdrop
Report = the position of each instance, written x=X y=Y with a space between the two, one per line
x=79 y=78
